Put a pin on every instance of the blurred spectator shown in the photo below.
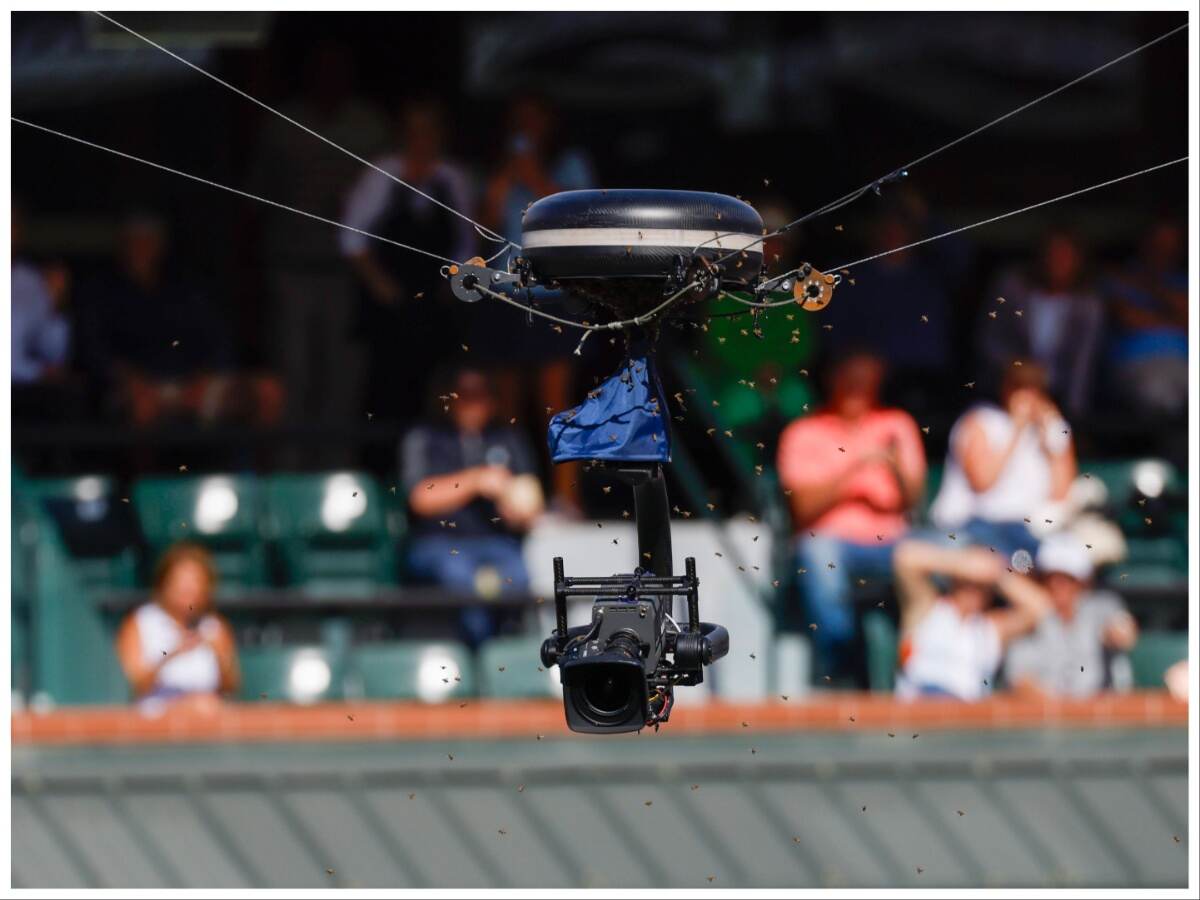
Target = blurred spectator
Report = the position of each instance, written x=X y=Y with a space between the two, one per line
x=41 y=334
x=176 y=646
x=1177 y=680
x=533 y=167
x=1053 y=316
x=1070 y=652
x=1006 y=464
x=853 y=472
x=1148 y=307
x=752 y=367
x=156 y=342
x=472 y=492
x=911 y=324
x=532 y=360
x=952 y=643
x=405 y=315
x=312 y=304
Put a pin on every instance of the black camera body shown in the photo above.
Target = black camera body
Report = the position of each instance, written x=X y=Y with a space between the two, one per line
x=619 y=673
x=603 y=674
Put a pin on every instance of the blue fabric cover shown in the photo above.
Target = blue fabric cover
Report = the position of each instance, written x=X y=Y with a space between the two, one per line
x=623 y=419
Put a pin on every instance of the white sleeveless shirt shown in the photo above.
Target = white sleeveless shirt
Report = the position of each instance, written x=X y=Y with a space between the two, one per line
x=193 y=672
x=1023 y=486
x=950 y=653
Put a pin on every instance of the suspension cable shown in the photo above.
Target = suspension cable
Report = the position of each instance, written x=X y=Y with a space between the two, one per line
x=902 y=171
x=774 y=304
x=483 y=230
x=585 y=326
x=1015 y=212
x=232 y=190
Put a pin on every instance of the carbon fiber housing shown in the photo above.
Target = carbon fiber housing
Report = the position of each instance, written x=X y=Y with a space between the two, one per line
x=622 y=246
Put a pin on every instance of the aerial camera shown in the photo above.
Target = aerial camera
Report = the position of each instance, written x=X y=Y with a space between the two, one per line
x=641 y=255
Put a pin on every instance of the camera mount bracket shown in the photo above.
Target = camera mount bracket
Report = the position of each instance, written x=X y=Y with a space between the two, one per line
x=674 y=655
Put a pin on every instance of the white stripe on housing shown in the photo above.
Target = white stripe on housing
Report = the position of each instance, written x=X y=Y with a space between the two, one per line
x=637 y=237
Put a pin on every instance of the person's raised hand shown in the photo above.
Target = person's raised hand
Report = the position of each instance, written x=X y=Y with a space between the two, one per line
x=492 y=481
x=1024 y=408
x=1121 y=632
x=979 y=565
x=190 y=640
x=1046 y=413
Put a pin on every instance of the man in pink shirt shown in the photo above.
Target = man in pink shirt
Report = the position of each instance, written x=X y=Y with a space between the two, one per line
x=851 y=472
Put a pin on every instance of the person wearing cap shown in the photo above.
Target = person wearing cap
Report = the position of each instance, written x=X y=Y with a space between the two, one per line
x=1071 y=651
x=952 y=642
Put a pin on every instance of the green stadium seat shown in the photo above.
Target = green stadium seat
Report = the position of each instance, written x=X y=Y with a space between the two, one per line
x=933 y=483
x=413 y=670
x=1159 y=562
x=512 y=667
x=879 y=633
x=335 y=531
x=1120 y=476
x=222 y=512
x=292 y=674
x=1154 y=653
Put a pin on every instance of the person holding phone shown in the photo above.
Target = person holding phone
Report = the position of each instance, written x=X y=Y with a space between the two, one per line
x=176 y=647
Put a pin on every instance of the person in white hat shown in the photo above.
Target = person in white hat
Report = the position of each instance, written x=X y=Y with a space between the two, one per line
x=952 y=641
x=1072 y=650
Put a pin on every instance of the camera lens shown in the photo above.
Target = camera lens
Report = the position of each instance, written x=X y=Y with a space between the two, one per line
x=610 y=692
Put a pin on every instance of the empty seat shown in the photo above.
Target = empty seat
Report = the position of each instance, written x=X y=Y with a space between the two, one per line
x=96 y=528
x=1126 y=478
x=879 y=633
x=512 y=667
x=1151 y=562
x=222 y=512
x=336 y=532
x=1154 y=653
x=292 y=674
x=412 y=670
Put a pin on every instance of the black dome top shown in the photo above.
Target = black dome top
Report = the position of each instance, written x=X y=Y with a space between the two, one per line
x=643 y=208
x=630 y=241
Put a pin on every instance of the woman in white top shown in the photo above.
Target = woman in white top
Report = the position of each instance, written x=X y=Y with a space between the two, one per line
x=952 y=643
x=1007 y=464
x=175 y=646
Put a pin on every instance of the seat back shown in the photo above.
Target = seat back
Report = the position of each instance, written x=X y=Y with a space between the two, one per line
x=413 y=670
x=1154 y=653
x=292 y=674
x=222 y=512
x=336 y=532
x=512 y=667
x=879 y=633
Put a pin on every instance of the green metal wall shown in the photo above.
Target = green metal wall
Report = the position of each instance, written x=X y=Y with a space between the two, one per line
x=65 y=647
x=1038 y=808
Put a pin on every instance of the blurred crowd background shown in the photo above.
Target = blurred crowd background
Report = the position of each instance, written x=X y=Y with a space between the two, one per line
x=981 y=443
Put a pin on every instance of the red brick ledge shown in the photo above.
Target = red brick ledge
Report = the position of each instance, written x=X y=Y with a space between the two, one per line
x=366 y=721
